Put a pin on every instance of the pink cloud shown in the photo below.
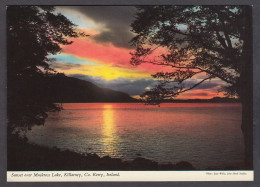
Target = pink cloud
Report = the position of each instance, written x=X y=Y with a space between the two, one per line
x=116 y=56
x=106 y=53
x=200 y=94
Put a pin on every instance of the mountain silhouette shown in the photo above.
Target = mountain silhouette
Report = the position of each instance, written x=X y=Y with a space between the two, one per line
x=72 y=90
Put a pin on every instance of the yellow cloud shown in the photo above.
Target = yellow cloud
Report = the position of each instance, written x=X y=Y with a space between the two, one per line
x=105 y=71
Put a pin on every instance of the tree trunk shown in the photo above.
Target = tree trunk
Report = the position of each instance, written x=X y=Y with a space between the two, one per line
x=246 y=88
x=247 y=129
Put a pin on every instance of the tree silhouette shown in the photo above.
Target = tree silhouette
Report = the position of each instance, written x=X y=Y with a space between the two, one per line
x=33 y=32
x=211 y=41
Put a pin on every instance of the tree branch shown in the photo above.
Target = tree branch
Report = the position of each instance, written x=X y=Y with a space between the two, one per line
x=195 y=85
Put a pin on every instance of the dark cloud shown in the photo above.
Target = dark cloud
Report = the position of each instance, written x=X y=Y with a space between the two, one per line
x=204 y=85
x=208 y=85
x=63 y=66
x=119 y=38
x=130 y=86
x=138 y=86
x=117 y=20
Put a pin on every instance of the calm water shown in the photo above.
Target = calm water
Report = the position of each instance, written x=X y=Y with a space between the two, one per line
x=203 y=134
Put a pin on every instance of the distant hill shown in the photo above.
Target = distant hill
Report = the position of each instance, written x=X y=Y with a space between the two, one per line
x=212 y=100
x=65 y=89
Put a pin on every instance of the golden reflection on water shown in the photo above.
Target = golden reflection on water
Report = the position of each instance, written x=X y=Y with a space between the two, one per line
x=109 y=133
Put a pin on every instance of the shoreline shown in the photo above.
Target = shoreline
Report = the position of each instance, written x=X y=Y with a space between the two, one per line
x=24 y=156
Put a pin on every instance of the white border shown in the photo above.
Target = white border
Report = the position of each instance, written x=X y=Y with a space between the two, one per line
x=139 y=176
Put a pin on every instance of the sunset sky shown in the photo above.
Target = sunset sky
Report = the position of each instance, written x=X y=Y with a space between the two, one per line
x=103 y=57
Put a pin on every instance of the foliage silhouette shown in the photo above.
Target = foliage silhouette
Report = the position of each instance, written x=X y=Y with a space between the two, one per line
x=33 y=32
x=211 y=41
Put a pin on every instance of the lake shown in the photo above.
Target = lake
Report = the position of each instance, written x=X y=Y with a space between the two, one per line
x=204 y=134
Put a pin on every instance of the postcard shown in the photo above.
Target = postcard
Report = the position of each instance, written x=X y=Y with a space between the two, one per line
x=129 y=93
